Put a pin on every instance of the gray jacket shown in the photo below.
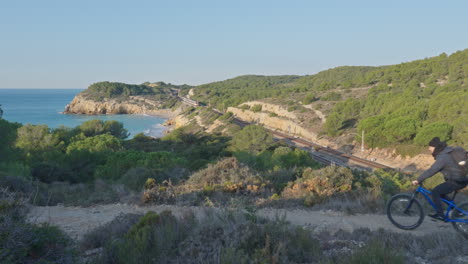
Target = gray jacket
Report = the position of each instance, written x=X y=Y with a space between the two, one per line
x=446 y=165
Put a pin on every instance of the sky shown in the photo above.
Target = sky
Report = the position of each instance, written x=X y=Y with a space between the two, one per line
x=72 y=44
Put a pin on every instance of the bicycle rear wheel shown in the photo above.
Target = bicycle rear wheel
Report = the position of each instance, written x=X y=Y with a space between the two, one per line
x=404 y=211
x=462 y=228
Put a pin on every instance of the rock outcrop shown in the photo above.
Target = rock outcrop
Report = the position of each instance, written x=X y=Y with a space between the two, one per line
x=279 y=123
x=280 y=111
x=135 y=105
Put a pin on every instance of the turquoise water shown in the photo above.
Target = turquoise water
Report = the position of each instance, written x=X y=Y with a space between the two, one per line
x=44 y=106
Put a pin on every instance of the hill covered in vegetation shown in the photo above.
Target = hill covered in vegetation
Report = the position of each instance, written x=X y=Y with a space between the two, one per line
x=101 y=90
x=405 y=104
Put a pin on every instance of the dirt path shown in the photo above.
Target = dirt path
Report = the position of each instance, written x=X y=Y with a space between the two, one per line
x=76 y=221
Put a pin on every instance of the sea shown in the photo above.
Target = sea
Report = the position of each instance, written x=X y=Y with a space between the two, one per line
x=45 y=106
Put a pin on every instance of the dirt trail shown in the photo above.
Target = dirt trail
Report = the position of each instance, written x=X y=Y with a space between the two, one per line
x=77 y=221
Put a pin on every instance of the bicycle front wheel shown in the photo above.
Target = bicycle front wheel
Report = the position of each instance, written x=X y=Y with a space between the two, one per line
x=462 y=228
x=405 y=212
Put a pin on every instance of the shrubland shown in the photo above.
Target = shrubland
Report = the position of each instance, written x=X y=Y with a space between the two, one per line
x=232 y=236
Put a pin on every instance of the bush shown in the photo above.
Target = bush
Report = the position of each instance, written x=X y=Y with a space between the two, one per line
x=35 y=138
x=135 y=178
x=400 y=129
x=19 y=169
x=119 y=163
x=99 y=143
x=280 y=178
x=228 y=175
x=97 y=127
x=8 y=134
x=256 y=108
x=375 y=252
x=154 y=238
x=21 y=242
x=15 y=184
x=331 y=96
x=244 y=107
x=88 y=194
x=383 y=246
x=232 y=129
x=226 y=116
x=252 y=139
x=429 y=131
x=292 y=108
x=323 y=182
x=231 y=237
x=309 y=98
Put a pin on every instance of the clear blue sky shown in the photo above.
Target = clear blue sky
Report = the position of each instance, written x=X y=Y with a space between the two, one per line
x=71 y=44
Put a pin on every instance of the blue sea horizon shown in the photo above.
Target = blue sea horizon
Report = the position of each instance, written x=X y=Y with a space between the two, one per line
x=45 y=107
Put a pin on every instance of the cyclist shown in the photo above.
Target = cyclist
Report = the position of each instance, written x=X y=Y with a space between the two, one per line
x=444 y=163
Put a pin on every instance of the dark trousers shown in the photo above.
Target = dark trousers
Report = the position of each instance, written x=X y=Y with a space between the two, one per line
x=441 y=191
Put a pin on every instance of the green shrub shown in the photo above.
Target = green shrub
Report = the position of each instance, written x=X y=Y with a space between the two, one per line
x=99 y=143
x=280 y=178
x=97 y=127
x=8 y=134
x=252 y=139
x=256 y=108
x=331 y=96
x=119 y=163
x=67 y=194
x=232 y=129
x=19 y=169
x=292 y=108
x=272 y=114
x=245 y=107
x=309 y=98
x=135 y=178
x=313 y=199
x=376 y=252
x=429 y=131
x=36 y=138
x=400 y=129
x=155 y=238
x=226 y=116
x=277 y=242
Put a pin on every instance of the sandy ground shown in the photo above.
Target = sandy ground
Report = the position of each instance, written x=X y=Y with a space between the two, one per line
x=77 y=221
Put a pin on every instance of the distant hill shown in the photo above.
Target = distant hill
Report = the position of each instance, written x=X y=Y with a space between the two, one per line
x=407 y=103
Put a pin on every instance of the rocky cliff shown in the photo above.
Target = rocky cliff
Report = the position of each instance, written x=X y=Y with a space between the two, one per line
x=284 y=122
x=134 y=105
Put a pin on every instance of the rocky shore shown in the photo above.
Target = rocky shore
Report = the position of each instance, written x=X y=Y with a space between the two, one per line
x=135 y=105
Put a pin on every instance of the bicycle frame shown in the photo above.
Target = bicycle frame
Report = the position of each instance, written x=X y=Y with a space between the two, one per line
x=451 y=205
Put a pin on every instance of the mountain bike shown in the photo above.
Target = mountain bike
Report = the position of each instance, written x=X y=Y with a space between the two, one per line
x=406 y=212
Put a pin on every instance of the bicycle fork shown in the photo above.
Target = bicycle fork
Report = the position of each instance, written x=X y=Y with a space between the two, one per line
x=410 y=203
